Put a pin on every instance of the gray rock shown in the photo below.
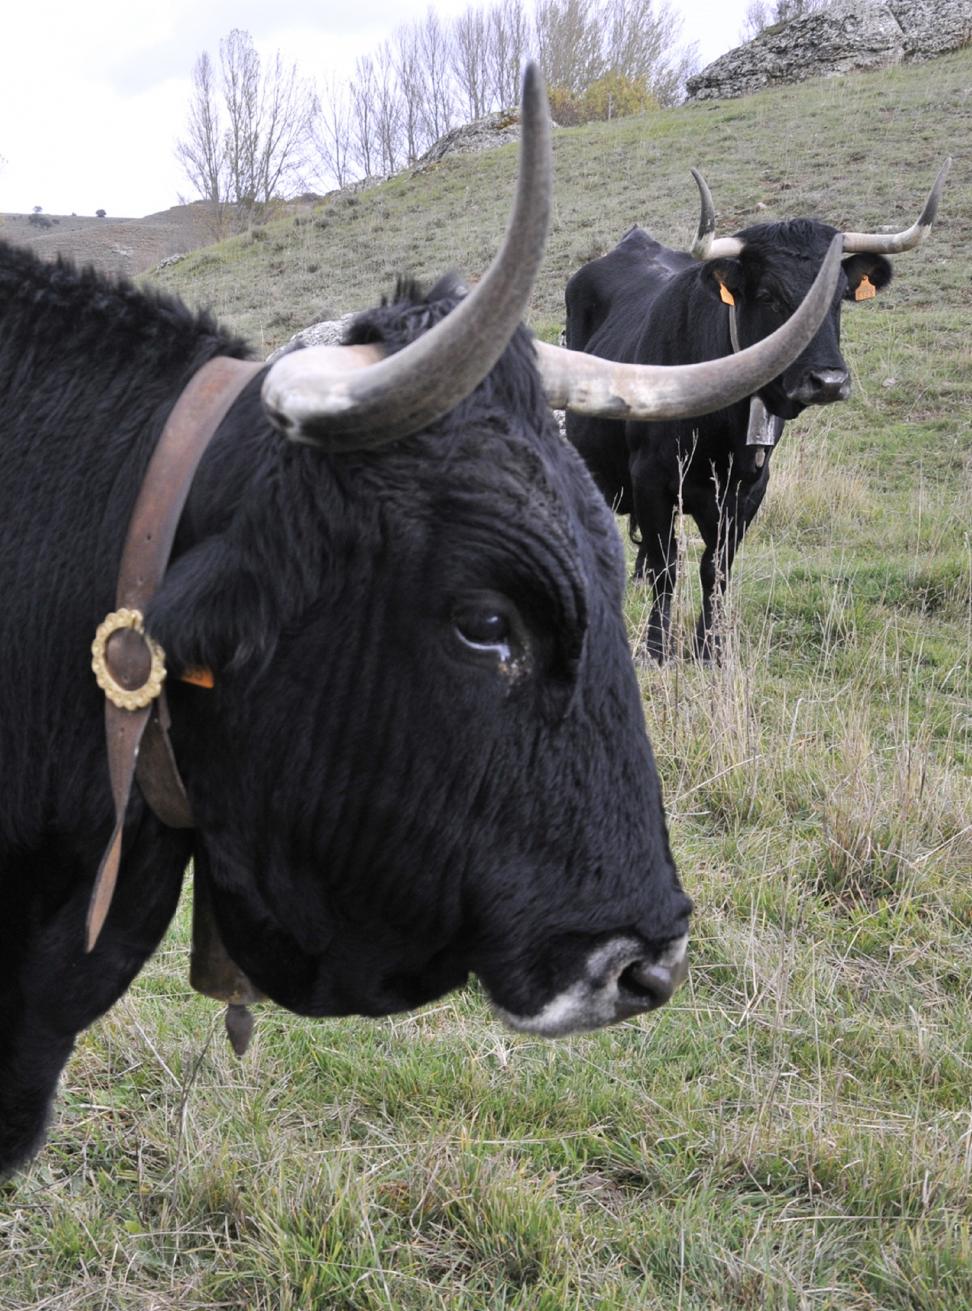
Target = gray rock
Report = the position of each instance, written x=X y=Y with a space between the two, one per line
x=483 y=134
x=364 y=184
x=329 y=332
x=847 y=36
x=933 y=28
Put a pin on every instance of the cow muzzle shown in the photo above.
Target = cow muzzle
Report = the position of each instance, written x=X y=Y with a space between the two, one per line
x=822 y=387
x=619 y=979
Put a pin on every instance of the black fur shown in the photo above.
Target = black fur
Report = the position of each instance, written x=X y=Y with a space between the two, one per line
x=647 y=303
x=380 y=807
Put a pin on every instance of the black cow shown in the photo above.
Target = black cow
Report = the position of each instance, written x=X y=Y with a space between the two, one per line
x=424 y=752
x=645 y=302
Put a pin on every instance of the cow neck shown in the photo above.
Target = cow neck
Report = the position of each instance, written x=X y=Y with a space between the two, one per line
x=128 y=664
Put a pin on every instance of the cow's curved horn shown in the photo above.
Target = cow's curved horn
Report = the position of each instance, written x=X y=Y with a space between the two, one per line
x=344 y=398
x=589 y=385
x=889 y=243
x=706 y=244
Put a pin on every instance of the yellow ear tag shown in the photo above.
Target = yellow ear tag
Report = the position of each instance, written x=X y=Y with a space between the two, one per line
x=865 y=289
x=725 y=295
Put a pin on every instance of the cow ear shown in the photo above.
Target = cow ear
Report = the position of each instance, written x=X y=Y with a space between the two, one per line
x=724 y=278
x=214 y=610
x=866 y=275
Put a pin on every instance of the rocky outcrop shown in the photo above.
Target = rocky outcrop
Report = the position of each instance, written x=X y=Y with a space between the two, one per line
x=847 y=36
x=932 y=27
x=483 y=134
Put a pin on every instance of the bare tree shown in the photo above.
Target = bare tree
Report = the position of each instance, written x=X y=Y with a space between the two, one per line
x=469 y=60
x=506 y=52
x=437 y=102
x=201 y=152
x=240 y=65
x=288 y=113
x=599 y=57
x=387 y=104
x=332 y=136
x=569 y=44
x=271 y=118
x=755 y=19
x=582 y=42
x=362 y=146
x=641 y=43
x=249 y=158
x=408 y=70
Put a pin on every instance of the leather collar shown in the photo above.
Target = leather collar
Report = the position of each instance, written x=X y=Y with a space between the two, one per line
x=129 y=666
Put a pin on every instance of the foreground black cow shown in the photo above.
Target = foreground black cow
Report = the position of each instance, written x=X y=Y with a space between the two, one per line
x=423 y=753
x=645 y=302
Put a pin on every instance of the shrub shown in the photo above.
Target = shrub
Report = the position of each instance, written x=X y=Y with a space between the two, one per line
x=610 y=96
x=616 y=96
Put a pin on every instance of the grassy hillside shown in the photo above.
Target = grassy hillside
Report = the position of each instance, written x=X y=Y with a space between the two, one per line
x=795 y=1129
x=857 y=151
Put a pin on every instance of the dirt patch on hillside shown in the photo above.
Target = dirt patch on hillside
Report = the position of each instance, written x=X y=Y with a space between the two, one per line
x=114 y=245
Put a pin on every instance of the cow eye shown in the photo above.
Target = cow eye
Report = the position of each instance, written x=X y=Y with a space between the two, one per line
x=773 y=302
x=483 y=626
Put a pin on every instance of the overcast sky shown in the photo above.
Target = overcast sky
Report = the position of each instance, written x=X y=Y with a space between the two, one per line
x=94 y=93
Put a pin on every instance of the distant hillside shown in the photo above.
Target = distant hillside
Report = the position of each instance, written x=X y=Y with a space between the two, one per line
x=859 y=151
x=114 y=245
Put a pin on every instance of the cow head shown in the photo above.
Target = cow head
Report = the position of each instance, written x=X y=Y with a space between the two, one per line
x=425 y=700
x=767 y=280
x=763 y=272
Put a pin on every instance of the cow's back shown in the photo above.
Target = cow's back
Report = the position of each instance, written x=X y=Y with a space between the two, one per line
x=607 y=299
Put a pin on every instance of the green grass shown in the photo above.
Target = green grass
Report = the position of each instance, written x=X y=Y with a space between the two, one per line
x=795 y=1129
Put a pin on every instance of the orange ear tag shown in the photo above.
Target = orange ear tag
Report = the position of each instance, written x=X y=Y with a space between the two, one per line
x=865 y=289
x=725 y=295
x=198 y=677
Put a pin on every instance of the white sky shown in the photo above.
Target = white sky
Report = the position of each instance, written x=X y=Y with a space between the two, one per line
x=94 y=93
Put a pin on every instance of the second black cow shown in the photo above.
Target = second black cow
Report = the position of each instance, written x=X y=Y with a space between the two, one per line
x=648 y=303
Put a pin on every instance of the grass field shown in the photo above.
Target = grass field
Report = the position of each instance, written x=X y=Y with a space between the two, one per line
x=795 y=1129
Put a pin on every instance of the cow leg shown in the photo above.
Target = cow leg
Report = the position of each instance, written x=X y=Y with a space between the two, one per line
x=30 y=1061
x=657 y=564
x=723 y=526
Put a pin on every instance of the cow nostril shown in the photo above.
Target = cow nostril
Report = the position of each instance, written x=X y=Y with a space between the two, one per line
x=830 y=382
x=643 y=980
x=653 y=983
